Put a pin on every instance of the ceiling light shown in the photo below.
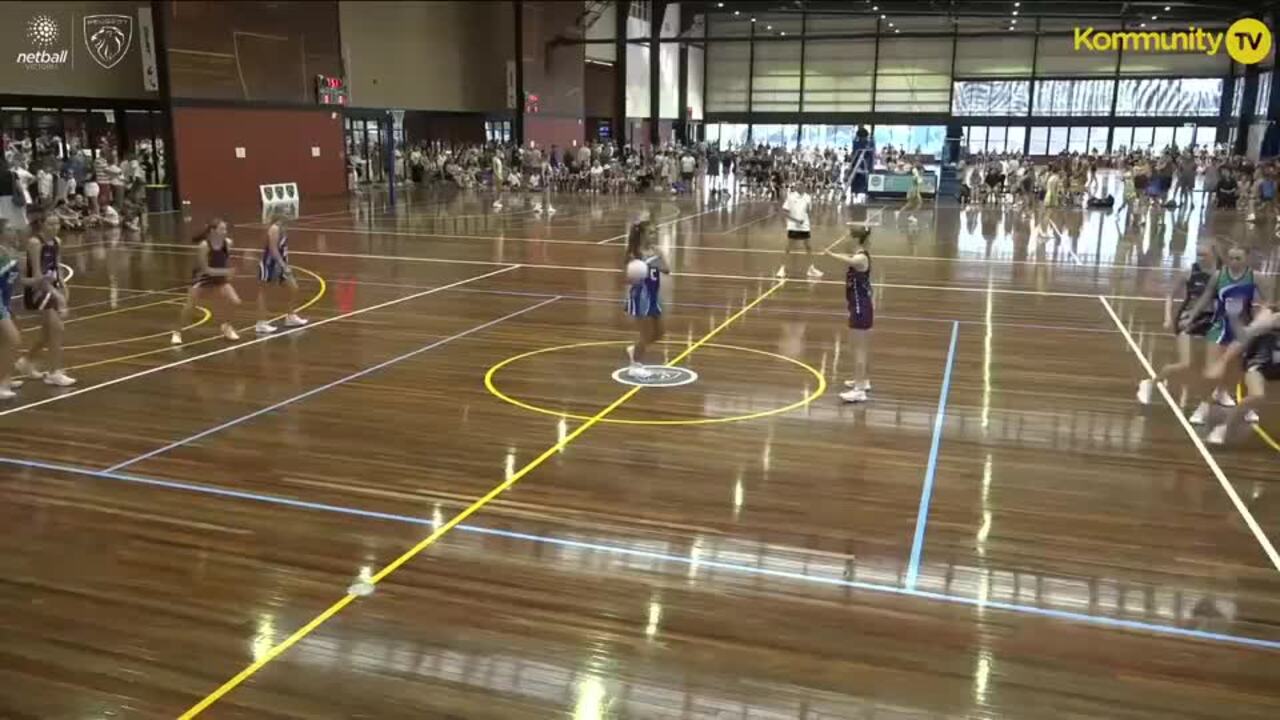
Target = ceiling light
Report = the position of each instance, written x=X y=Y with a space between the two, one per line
x=1142 y=25
x=882 y=17
x=875 y=8
x=784 y=33
x=1013 y=21
x=1167 y=8
x=897 y=30
x=1155 y=17
x=1015 y=13
x=890 y=24
x=736 y=13
x=753 y=19
x=719 y=5
x=1017 y=4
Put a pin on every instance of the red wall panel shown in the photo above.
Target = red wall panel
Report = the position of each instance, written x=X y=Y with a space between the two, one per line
x=546 y=130
x=277 y=147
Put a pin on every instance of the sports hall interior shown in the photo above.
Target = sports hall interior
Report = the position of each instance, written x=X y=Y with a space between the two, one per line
x=438 y=499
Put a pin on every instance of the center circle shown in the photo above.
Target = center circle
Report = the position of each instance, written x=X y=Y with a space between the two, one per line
x=816 y=393
x=660 y=376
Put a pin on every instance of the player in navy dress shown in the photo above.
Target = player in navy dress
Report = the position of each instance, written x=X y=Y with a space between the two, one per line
x=44 y=292
x=1187 y=327
x=10 y=338
x=642 y=302
x=273 y=269
x=1259 y=344
x=1234 y=292
x=857 y=292
x=212 y=277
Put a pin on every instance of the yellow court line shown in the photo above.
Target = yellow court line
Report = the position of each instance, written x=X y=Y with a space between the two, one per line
x=1257 y=427
x=125 y=358
x=117 y=311
x=206 y=317
x=467 y=512
x=810 y=397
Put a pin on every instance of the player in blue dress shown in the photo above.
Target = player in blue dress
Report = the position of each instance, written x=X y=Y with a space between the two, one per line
x=1259 y=344
x=44 y=292
x=212 y=278
x=273 y=269
x=857 y=290
x=642 y=301
x=1235 y=293
x=10 y=338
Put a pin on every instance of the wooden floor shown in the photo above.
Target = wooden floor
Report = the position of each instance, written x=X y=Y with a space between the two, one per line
x=1003 y=532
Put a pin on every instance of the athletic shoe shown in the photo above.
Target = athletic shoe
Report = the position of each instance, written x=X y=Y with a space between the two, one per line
x=7 y=394
x=175 y=338
x=863 y=385
x=1201 y=414
x=262 y=327
x=1252 y=418
x=814 y=272
x=782 y=272
x=1218 y=435
x=551 y=210
x=854 y=396
x=497 y=204
x=229 y=332
x=28 y=368
x=1223 y=398
x=59 y=379
x=293 y=320
x=1251 y=217
x=1144 y=391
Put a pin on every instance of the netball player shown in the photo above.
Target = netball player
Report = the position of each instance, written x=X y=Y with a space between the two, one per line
x=797 y=207
x=642 y=298
x=44 y=292
x=1259 y=342
x=10 y=338
x=857 y=292
x=273 y=269
x=1235 y=292
x=212 y=272
x=1187 y=328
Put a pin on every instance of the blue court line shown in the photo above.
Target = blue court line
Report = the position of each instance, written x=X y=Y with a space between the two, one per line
x=1103 y=621
x=926 y=492
x=302 y=396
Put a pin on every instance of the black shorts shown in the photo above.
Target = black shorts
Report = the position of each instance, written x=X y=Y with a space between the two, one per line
x=797 y=234
x=1263 y=356
x=686 y=176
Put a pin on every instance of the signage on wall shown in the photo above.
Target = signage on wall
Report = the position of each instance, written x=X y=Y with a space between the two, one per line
x=147 y=38
x=108 y=38
x=331 y=90
x=48 y=48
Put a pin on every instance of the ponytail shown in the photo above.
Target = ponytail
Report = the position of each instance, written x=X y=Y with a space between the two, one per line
x=207 y=231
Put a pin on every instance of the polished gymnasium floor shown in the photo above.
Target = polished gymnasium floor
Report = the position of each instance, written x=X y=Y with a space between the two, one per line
x=1001 y=533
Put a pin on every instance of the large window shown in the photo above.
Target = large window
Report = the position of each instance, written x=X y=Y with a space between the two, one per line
x=1264 y=95
x=1057 y=140
x=826 y=136
x=1169 y=97
x=994 y=56
x=775 y=84
x=1015 y=141
x=1066 y=98
x=838 y=75
x=914 y=75
x=912 y=139
x=1039 y=142
x=728 y=73
x=775 y=135
x=1237 y=97
x=1121 y=138
x=990 y=97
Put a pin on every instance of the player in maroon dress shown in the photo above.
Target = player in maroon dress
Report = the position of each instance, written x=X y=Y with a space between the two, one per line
x=857 y=292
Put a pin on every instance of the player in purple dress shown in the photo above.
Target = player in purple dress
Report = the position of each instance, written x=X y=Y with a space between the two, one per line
x=857 y=292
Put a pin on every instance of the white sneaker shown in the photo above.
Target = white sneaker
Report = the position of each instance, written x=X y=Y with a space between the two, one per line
x=1218 y=435
x=229 y=332
x=863 y=385
x=1144 y=391
x=262 y=327
x=175 y=338
x=1251 y=217
x=28 y=368
x=293 y=320
x=853 y=396
x=1201 y=414
x=1252 y=418
x=814 y=272
x=59 y=379
x=6 y=394
x=551 y=210
x=537 y=210
x=782 y=272
x=639 y=372
x=1223 y=398
x=497 y=204
x=15 y=383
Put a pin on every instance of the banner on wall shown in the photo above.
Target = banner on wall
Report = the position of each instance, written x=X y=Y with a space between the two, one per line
x=147 y=43
x=76 y=49
x=511 y=85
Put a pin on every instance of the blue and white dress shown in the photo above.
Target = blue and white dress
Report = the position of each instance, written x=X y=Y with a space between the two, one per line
x=642 y=297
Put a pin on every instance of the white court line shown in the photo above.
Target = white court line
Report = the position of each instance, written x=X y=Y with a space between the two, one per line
x=713 y=276
x=606 y=241
x=264 y=338
x=736 y=228
x=1267 y=547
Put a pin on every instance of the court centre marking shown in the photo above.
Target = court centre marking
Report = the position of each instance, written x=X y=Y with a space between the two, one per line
x=457 y=519
x=926 y=491
x=685 y=560
x=713 y=276
x=340 y=381
x=237 y=346
x=1241 y=508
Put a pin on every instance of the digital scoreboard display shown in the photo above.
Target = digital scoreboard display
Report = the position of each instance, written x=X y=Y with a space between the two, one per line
x=331 y=90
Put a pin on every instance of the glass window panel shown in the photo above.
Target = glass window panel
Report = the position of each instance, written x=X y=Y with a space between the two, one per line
x=733 y=135
x=774 y=23
x=1058 y=56
x=1237 y=97
x=775 y=86
x=726 y=25
x=1163 y=139
x=990 y=97
x=1264 y=95
x=1078 y=140
x=995 y=138
x=976 y=138
x=1016 y=138
x=728 y=68
x=1066 y=98
x=1039 y=144
x=988 y=56
x=922 y=140
x=1142 y=137
x=712 y=133
x=914 y=75
x=1121 y=139
x=1206 y=136
x=1183 y=136
x=1057 y=140
x=827 y=24
x=838 y=74
x=1098 y=139
x=1169 y=97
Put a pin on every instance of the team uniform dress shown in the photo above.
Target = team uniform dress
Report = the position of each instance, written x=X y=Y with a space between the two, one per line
x=1197 y=281
x=37 y=298
x=857 y=293
x=217 y=258
x=1235 y=299
x=1263 y=355
x=642 y=297
x=9 y=279
x=270 y=269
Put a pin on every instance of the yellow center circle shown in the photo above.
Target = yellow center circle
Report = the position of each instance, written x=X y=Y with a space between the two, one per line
x=1248 y=41
x=493 y=388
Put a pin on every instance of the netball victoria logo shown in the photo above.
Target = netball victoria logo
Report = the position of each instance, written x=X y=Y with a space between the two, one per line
x=107 y=38
x=45 y=35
